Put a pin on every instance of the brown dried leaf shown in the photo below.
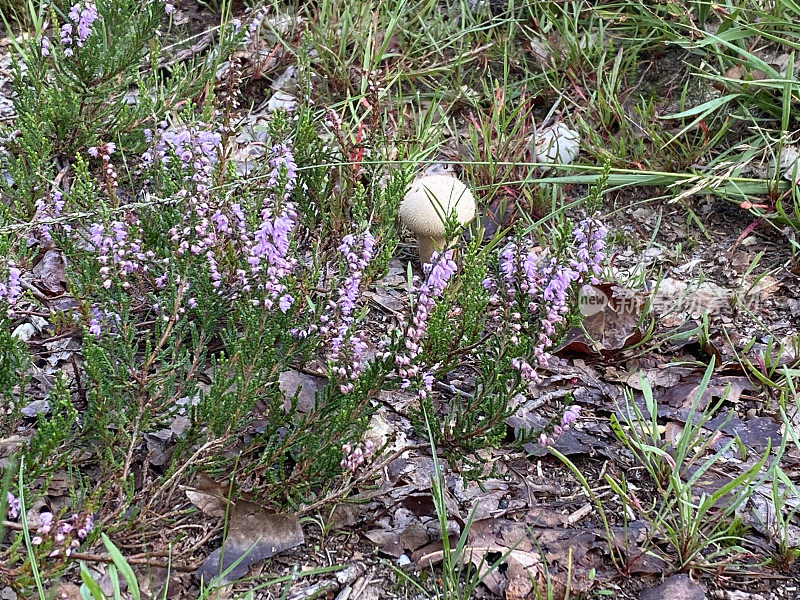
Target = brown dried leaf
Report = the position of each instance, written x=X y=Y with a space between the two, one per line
x=49 y=273
x=209 y=496
x=253 y=535
x=610 y=324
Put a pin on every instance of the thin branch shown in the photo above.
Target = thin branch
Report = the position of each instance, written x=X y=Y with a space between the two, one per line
x=137 y=560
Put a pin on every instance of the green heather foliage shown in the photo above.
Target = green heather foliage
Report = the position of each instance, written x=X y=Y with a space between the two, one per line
x=196 y=287
x=177 y=305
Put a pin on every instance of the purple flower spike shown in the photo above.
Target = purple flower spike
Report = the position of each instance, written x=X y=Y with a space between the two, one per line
x=14 y=506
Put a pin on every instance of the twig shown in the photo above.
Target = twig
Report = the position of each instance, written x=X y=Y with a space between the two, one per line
x=368 y=473
x=136 y=560
x=35 y=291
x=198 y=453
x=453 y=390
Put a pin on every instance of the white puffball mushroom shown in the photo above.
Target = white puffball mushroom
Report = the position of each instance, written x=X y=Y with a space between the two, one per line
x=427 y=205
x=557 y=144
x=789 y=163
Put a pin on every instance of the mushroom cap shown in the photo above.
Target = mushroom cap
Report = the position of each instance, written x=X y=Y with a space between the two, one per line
x=431 y=199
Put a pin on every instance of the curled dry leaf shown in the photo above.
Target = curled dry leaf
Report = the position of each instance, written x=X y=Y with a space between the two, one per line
x=789 y=164
x=523 y=568
x=611 y=322
x=280 y=100
x=24 y=332
x=209 y=496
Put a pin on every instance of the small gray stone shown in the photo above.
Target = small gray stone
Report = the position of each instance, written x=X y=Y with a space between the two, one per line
x=8 y=594
x=676 y=587
x=24 y=332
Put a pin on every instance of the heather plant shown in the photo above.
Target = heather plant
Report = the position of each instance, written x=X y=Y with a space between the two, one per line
x=193 y=288
x=217 y=291
x=80 y=81
x=506 y=309
x=190 y=290
x=56 y=535
x=191 y=306
x=48 y=450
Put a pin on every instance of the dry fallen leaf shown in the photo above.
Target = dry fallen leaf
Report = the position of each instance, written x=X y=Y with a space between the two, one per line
x=209 y=496
x=253 y=535
x=523 y=563
x=789 y=163
x=610 y=324
x=293 y=382
x=49 y=273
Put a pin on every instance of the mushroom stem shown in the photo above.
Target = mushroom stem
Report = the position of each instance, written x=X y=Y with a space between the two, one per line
x=427 y=246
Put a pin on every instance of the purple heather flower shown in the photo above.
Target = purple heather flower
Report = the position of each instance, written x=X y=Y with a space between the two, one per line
x=14 y=506
x=45 y=46
x=66 y=34
x=46 y=209
x=438 y=274
x=527 y=372
x=94 y=327
x=282 y=161
x=546 y=284
x=590 y=234
x=570 y=415
x=222 y=222
x=64 y=528
x=357 y=259
x=88 y=16
x=66 y=533
x=195 y=146
x=270 y=254
x=357 y=252
x=345 y=347
x=13 y=290
x=285 y=302
x=256 y=22
x=169 y=8
x=211 y=230
x=45 y=522
x=83 y=14
x=88 y=523
x=357 y=455
x=58 y=202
